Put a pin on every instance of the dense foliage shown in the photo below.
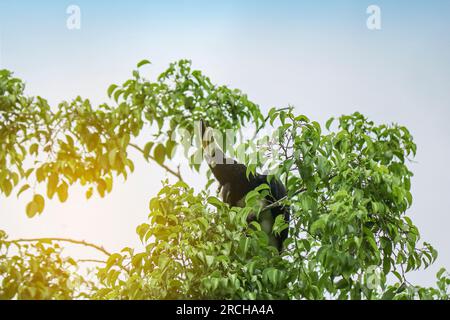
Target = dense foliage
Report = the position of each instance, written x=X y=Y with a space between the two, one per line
x=348 y=190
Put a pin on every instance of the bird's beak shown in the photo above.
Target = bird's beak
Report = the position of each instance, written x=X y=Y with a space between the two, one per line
x=203 y=130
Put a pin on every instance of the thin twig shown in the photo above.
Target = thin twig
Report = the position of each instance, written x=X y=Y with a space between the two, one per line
x=278 y=202
x=177 y=173
x=91 y=260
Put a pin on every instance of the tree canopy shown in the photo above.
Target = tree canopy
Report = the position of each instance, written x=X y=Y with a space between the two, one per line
x=348 y=184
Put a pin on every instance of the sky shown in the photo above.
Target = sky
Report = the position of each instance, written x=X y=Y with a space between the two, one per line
x=317 y=56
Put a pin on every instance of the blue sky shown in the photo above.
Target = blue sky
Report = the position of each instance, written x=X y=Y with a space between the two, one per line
x=115 y=34
x=318 y=56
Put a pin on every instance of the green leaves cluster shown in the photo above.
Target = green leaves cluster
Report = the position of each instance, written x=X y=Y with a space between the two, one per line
x=196 y=248
x=80 y=143
x=349 y=191
x=38 y=271
x=25 y=127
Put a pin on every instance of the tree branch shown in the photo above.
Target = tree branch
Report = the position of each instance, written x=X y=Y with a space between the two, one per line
x=91 y=260
x=81 y=242
x=177 y=173
x=278 y=202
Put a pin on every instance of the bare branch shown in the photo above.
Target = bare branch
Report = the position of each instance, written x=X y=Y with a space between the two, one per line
x=177 y=173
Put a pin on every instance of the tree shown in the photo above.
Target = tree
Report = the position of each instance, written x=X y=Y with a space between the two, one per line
x=348 y=191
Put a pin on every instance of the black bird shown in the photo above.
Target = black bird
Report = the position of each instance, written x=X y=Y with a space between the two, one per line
x=235 y=185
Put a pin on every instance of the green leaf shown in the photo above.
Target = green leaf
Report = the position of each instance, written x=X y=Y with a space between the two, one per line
x=23 y=189
x=29 y=172
x=341 y=284
x=112 y=157
x=272 y=275
x=70 y=140
x=440 y=273
x=62 y=192
x=389 y=294
x=372 y=243
x=302 y=118
x=7 y=187
x=111 y=89
x=143 y=63
x=101 y=187
x=244 y=246
x=386 y=265
x=209 y=260
x=142 y=230
x=273 y=113
x=40 y=174
x=31 y=209
x=159 y=153
x=262 y=187
x=148 y=147
x=89 y=193
x=215 y=202
x=40 y=203
x=170 y=148
x=117 y=95
x=329 y=122
x=163 y=261
x=319 y=224
x=52 y=184
x=34 y=149
x=397 y=275
x=279 y=225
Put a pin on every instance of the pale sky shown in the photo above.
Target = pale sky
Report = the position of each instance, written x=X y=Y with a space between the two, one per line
x=321 y=58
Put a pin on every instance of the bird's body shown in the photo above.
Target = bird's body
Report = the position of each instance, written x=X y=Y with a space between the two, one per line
x=232 y=178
